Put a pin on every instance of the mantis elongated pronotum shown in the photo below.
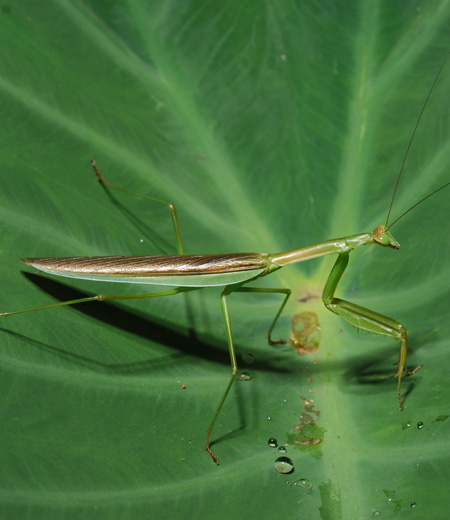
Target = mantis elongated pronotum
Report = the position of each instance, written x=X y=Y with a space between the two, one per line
x=183 y=273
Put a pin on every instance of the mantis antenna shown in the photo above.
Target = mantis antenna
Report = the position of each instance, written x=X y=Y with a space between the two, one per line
x=417 y=203
x=407 y=152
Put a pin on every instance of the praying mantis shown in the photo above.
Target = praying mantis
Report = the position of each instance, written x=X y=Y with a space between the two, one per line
x=183 y=273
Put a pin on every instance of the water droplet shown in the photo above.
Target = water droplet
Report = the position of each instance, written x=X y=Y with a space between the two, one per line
x=413 y=504
x=304 y=484
x=406 y=424
x=273 y=443
x=141 y=240
x=284 y=465
x=248 y=358
x=244 y=376
x=268 y=417
x=420 y=425
x=376 y=513
x=282 y=449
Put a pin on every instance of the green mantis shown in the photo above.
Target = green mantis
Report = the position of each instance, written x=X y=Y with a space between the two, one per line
x=184 y=273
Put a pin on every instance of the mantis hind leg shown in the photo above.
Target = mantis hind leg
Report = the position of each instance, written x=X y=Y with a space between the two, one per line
x=367 y=319
x=103 y=298
x=234 y=368
x=170 y=205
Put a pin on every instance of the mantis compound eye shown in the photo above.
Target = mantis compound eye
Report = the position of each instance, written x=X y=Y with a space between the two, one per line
x=382 y=236
x=384 y=239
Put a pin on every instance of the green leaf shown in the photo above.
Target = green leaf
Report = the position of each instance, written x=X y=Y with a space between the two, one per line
x=271 y=126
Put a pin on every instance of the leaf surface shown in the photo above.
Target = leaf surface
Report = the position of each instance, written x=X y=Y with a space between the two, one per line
x=271 y=126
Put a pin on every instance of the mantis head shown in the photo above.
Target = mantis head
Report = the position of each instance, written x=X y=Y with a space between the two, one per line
x=382 y=236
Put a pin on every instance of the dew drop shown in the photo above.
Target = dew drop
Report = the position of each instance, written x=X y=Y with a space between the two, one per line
x=406 y=425
x=244 y=376
x=413 y=504
x=420 y=425
x=303 y=483
x=284 y=465
x=282 y=449
x=268 y=417
x=273 y=443
x=376 y=513
x=248 y=358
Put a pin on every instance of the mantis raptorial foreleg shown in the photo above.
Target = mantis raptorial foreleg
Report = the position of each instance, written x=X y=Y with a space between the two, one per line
x=367 y=319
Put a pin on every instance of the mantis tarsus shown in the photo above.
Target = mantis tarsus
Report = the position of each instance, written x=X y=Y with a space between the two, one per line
x=183 y=273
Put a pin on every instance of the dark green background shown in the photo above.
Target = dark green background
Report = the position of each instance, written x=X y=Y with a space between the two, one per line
x=271 y=125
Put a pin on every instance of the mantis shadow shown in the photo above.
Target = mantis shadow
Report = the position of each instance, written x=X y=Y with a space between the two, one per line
x=375 y=372
x=363 y=370
x=142 y=325
x=181 y=346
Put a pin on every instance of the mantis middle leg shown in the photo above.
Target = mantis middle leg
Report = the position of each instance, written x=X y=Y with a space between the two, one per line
x=367 y=319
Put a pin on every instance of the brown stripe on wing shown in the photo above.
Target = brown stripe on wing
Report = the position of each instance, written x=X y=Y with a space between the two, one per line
x=152 y=265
